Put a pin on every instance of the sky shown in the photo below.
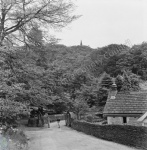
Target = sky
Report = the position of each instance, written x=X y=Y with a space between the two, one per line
x=105 y=22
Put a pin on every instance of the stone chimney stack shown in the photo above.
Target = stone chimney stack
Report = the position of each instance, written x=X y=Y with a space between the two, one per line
x=113 y=90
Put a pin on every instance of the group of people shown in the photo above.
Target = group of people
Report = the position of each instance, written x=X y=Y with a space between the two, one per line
x=39 y=115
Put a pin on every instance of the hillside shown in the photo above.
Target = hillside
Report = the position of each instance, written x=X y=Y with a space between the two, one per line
x=74 y=77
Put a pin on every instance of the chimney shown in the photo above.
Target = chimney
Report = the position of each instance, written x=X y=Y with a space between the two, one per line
x=113 y=90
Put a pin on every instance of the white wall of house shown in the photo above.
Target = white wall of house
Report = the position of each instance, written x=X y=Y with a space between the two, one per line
x=132 y=120
x=114 y=120
x=144 y=123
x=123 y=120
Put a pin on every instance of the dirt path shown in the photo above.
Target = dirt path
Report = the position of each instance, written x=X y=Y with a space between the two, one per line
x=64 y=138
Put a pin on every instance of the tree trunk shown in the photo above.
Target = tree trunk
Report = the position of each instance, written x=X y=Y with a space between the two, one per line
x=78 y=117
x=1 y=39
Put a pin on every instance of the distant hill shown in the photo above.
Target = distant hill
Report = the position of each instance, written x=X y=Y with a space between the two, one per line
x=67 y=56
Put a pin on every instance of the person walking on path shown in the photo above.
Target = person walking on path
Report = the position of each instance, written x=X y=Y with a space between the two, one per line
x=48 y=119
x=40 y=116
x=58 y=121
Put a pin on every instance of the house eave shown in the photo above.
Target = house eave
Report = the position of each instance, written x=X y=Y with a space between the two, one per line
x=122 y=114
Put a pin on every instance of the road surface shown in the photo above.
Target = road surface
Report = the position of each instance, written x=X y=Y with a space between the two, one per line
x=64 y=138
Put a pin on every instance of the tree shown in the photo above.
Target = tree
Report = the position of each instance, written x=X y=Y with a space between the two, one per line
x=78 y=106
x=11 y=108
x=106 y=81
x=17 y=17
x=119 y=82
x=130 y=82
x=105 y=59
x=36 y=45
x=35 y=36
x=102 y=95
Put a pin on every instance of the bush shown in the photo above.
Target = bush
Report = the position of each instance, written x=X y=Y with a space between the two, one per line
x=14 y=138
x=89 y=118
x=128 y=135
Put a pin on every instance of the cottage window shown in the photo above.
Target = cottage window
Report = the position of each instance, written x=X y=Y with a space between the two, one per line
x=124 y=119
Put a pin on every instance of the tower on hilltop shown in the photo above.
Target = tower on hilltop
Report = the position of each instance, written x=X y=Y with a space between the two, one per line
x=81 y=44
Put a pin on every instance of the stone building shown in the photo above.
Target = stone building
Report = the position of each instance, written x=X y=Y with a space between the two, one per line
x=125 y=107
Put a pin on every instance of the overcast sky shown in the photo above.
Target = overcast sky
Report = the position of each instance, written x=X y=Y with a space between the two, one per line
x=105 y=22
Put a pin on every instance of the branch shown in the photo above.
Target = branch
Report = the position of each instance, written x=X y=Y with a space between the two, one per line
x=51 y=12
x=21 y=22
x=15 y=26
x=7 y=10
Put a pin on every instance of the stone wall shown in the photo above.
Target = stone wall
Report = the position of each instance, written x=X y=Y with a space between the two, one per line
x=133 y=136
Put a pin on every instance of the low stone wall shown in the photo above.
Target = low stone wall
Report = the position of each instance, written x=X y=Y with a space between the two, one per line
x=133 y=136
x=54 y=117
x=32 y=122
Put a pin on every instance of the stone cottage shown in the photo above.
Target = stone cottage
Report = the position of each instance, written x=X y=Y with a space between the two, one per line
x=125 y=108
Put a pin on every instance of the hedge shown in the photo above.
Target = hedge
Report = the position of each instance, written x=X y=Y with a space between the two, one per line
x=133 y=136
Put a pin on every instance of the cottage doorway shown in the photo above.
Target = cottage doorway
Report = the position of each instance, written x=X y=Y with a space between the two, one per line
x=124 y=119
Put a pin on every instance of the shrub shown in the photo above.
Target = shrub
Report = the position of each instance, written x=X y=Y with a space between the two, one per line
x=89 y=118
x=14 y=138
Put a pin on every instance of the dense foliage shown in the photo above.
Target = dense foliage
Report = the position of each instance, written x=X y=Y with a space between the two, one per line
x=66 y=76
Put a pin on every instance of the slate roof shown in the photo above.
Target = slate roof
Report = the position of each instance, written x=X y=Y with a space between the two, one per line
x=127 y=103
